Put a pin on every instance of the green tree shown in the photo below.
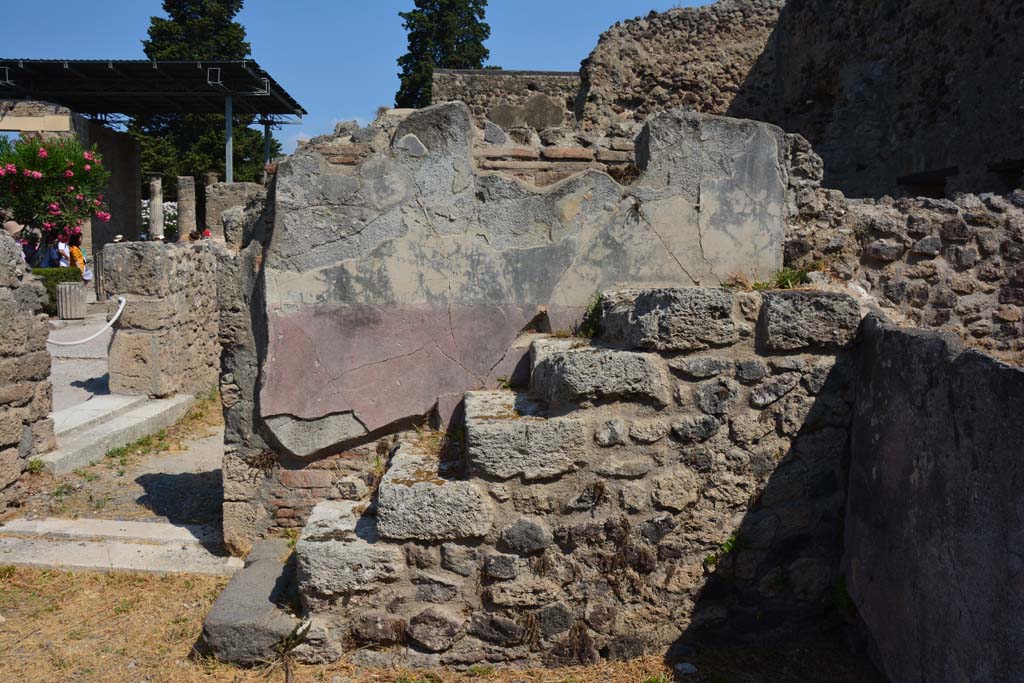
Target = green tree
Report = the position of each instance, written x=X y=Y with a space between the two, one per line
x=443 y=34
x=193 y=144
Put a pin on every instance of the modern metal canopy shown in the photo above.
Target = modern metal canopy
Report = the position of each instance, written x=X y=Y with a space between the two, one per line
x=100 y=87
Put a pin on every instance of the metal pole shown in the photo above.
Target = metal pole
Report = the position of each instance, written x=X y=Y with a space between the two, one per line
x=229 y=145
x=266 y=143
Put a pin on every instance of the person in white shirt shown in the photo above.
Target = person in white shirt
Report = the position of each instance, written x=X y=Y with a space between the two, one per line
x=65 y=254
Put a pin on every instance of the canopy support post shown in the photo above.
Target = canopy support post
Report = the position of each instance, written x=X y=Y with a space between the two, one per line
x=229 y=143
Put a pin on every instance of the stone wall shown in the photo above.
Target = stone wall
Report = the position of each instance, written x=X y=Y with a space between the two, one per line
x=223 y=196
x=697 y=57
x=165 y=342
x=950 y=265
x=934 y=510
x=886 y=90
x=505 y=96
x=398 y=273
x=26 y=396
x=913 y=98
x=682 y=475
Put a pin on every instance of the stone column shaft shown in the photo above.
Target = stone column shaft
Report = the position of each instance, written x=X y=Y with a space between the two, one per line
x=186 y=207
x=156 y=207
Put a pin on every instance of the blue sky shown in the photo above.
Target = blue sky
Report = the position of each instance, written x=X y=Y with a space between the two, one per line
x=336 y=57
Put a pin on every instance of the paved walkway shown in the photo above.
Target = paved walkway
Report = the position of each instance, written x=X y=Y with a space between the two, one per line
x=79 y=372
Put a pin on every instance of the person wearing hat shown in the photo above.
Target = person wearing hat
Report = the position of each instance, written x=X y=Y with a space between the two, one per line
x=14 y=229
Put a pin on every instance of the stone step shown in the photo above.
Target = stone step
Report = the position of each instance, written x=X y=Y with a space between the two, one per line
x=508 y=436
x=83 y=447
x=92 y=412
x=419 y=500
x=247 y=622
x=565 y=374
x=107 y=545
x=110 y=529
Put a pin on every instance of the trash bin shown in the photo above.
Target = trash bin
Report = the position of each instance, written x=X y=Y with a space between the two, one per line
x=70 y=301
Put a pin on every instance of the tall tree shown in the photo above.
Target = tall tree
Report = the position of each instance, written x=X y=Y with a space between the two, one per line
x=443 y=34
x=193 y=144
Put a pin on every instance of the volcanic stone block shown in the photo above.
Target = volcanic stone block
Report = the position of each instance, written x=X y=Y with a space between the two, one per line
x=669 y=319
x=435 y=629
x=340 y=553
x=593 y=374
x=414 y=502
x=246 y=623
x=506 y=438
x=797 y=320
x=307 y=438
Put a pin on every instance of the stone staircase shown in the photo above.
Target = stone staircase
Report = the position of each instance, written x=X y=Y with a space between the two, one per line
x=589 y=510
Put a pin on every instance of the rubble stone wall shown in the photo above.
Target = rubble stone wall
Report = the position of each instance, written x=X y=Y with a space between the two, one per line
x=498 y=92
x=934 y=507
x=165 y=341
x=951 y=265
x=681 y=474
x=885 y=90
x=221 y=197
x=911 y=98
x=26 y=396
x=696 y=57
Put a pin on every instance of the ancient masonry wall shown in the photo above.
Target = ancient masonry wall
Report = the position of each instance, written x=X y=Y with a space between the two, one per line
x=683 y=473
x=918 y=98
x=165 y=342
x=951 y=265
x=697 y=57
x=26 y=396
x=921 y=91
x=934 y=507
x=505 y=95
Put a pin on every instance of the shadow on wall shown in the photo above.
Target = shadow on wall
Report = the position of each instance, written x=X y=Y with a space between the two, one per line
x=908 y=98
x=778 y=574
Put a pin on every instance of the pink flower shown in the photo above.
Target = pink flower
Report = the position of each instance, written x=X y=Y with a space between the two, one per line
x=27 y=173
x=87 y=156
x=95 y=202
x=3 y=171
x=54 y=210
x=37 y=175
x=11 y=168
x=71 y=188
x=43 y=153
x=79 y=197
x=69 y=173
x=103 y=216
x=47 y=226
x=87 y=167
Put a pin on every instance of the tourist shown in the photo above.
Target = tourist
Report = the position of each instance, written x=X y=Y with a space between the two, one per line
x=77 y=257
x=14 y=230
x=63 y=254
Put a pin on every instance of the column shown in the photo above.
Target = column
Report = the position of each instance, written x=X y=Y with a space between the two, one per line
x=156 y=206
x=186 y=207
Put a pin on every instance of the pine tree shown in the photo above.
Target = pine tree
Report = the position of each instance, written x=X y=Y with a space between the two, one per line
x=443 y=34
x=193 y=144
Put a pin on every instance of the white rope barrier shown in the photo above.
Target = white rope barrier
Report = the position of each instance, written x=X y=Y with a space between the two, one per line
x=103 y=329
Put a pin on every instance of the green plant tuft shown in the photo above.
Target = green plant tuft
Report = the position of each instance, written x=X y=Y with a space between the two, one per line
x=35 y=466
x=590 y=326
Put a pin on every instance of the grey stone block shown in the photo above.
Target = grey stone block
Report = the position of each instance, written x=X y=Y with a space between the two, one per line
x=249 y=618
x=414 y=502
x=592 y=374
x=669 y=319
x=506 y=437
x=796 y=320
x=340 y=553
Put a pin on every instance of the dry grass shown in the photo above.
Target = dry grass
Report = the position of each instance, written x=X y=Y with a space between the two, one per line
x=127 y=628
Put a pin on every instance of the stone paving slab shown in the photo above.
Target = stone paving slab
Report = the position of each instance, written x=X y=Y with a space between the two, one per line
x=145 y=532
x=86 y=446
x=97 y=409
x=161 y=558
